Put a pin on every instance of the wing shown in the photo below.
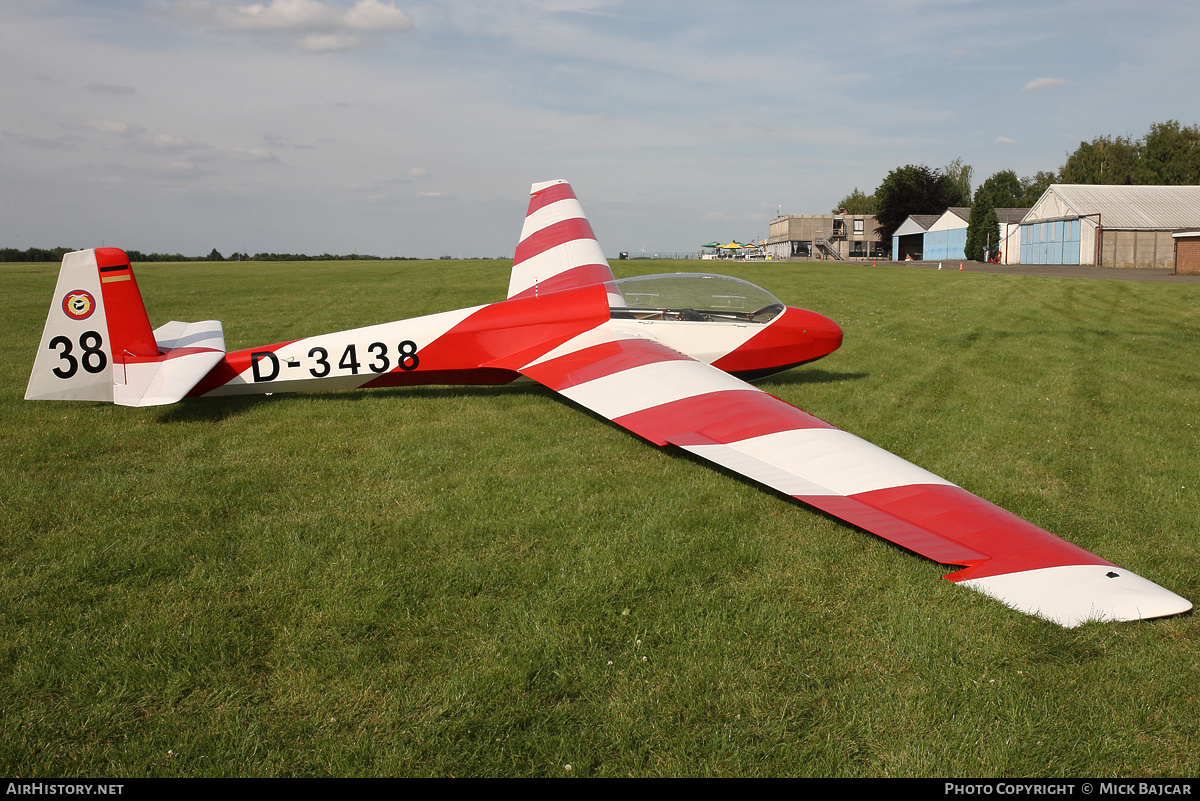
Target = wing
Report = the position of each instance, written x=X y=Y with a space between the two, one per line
x=557 y=249
x=669 y=398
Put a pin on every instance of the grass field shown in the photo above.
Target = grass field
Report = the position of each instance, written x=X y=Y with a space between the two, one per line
x=444 y=581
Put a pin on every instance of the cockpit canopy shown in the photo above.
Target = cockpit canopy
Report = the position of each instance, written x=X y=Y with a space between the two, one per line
x=697 y=297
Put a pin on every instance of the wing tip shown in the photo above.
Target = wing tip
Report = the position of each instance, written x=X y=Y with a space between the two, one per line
x=1071 y=595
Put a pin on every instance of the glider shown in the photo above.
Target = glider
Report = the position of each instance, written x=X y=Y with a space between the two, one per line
x=667 y=357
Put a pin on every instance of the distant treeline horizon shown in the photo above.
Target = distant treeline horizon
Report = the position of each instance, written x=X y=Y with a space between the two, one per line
x=56 y=255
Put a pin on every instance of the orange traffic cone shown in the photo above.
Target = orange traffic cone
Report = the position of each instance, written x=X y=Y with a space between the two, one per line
x=960 y=265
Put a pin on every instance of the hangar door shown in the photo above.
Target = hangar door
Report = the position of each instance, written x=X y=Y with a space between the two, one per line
x=908 y=245
x=946 y=244
x=1051 y=242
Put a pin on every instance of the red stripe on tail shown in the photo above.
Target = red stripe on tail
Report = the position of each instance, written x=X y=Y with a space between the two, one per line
x=551 y=194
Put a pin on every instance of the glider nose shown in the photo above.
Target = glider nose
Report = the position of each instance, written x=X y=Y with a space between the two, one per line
x=815 y=334
x=793 y=338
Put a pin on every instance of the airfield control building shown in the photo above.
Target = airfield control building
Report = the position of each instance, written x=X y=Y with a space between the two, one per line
x=836 y=237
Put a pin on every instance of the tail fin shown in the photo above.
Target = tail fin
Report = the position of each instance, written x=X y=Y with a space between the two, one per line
x=98 y=345
x=557 y=249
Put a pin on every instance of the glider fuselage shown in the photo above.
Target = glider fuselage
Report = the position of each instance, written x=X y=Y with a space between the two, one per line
x=484 y=345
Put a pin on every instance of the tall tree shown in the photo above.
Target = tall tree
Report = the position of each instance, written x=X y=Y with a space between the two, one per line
x=856 y=203
x=1007 y=191
x=1104 y=160
x=961 y=174
x=983 y=228
x=1033 y=187
x=1169 y=155
x=1003 y=190
x=914 y=190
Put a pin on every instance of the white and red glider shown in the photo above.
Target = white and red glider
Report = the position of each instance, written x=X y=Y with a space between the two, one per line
x=666 y=357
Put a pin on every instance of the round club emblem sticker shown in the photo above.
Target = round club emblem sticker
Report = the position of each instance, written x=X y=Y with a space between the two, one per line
x=79 y=304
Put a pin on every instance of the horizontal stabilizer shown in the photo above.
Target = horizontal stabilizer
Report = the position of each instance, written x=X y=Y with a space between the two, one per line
x=188 y=352
x=206 y=334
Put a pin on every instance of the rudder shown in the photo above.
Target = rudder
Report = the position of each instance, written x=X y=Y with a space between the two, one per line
x=98 y=345
x=97 y=311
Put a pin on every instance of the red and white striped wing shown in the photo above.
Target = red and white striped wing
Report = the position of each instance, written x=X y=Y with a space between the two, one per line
x=557 y=249
x=667 y=397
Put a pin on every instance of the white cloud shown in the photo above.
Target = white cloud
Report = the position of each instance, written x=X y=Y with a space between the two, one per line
x=323 y=27
x=1043 y=83
x=330 y=42
x=296 y=15
x=372 y=15
x=1005 y=140
x=164 y=141
x=114 y=127
x=280 y=15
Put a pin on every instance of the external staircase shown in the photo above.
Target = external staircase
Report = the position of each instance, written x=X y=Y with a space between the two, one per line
x=827 y=244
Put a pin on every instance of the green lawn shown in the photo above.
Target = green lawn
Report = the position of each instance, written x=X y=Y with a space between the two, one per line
x=445 y=581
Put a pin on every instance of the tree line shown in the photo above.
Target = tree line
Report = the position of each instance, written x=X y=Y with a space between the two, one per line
x=216 y=256
x=1168 y=155
x=34 y=254
x=56 y=255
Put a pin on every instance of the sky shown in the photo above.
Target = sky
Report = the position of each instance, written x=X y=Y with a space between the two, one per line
x=414 y=128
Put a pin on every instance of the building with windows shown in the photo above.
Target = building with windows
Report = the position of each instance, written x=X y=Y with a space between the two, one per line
x=825 y=236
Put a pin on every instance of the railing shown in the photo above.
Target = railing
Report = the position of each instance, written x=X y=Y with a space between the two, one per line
x=826 y=242
x=650 y=255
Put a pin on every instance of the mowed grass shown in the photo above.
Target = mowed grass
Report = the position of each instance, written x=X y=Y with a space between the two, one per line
x=489 y=581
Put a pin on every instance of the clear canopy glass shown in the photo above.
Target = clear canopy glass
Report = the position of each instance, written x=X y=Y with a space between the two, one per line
x=696 y=297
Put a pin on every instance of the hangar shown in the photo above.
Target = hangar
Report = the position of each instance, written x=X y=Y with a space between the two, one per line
x=947 y=236
x=908 y=242
x=934 y=237
x=1109 y=226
